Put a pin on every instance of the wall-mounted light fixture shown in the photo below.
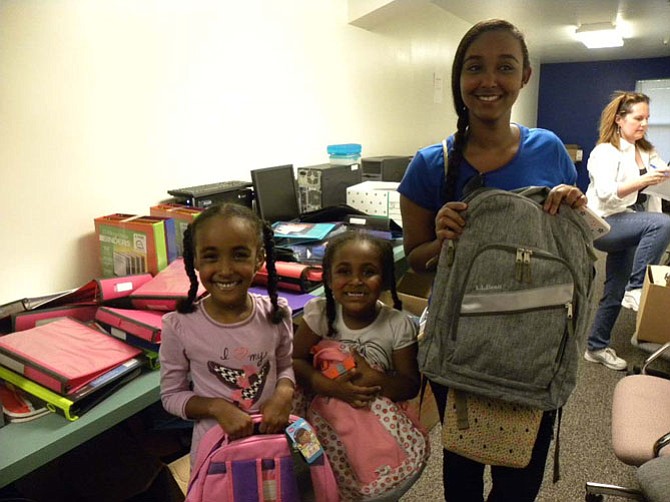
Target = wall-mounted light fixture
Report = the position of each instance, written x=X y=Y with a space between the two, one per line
x=598 y=35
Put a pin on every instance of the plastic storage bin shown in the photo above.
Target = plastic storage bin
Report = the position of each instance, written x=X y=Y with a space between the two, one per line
x=345 y=154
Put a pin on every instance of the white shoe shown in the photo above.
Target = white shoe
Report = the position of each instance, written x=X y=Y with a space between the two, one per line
x=606 y=357
x=631 y=299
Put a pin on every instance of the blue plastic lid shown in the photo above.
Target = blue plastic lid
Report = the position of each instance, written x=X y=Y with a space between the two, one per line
x=345 y=149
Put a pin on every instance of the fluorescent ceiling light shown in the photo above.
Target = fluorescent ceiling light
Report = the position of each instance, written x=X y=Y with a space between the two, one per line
x=598 y=35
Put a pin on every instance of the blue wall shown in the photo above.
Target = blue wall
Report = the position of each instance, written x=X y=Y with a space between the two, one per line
x=572 y=95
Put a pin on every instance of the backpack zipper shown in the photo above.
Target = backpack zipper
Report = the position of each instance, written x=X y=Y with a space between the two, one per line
x=522 y=266
x=522 y=269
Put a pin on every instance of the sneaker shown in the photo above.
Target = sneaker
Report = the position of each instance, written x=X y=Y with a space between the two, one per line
x=606 y=357
x=631 y=299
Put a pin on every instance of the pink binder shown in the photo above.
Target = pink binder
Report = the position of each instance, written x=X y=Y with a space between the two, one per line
x=145 y=324
x=119 y=287
x=32 y=318
x=94 y=292
x=100 y=290
x=166 y=288
x=63 y=355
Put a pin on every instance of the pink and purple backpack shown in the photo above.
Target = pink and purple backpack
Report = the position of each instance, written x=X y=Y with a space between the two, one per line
x=258 y=468
x=379 y=451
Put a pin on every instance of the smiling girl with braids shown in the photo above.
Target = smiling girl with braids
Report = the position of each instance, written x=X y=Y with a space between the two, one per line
x=357 y=267
x=228 y=355
x=490 y=68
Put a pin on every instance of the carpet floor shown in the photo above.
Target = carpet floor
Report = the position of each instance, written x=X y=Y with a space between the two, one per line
x=585 y=438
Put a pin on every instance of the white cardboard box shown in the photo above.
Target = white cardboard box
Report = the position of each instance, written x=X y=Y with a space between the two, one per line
x=379 y=198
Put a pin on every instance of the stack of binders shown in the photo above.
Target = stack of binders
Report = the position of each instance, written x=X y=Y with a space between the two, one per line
x=80 y=346
x=48 y=337
x=139 y=328
x=80 y=303
x=67 y=364
x=140 y=323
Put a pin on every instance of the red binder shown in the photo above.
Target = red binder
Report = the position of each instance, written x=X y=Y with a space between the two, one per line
x=164 y=291
x=32 y=318
x=100 y=290
x=63 y=355
x=93 y=292
x=145 y=324
x=293 y=276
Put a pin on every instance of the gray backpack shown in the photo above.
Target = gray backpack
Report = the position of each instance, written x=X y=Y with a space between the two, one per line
x=510 y=304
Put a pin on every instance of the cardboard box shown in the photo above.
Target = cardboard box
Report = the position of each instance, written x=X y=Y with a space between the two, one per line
x=131 y=244
x=413 y=290
x=379 y=198
x=428 y=414
x=182 y=216
x=652 y=318
x=576 y=153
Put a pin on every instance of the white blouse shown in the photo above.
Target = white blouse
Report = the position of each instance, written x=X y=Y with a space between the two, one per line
x=609 y=166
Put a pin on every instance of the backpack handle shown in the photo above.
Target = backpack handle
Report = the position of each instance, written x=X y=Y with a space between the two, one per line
x=216 y=438
x=536 y=193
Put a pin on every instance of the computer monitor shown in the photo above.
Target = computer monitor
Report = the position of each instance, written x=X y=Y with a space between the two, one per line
x=275 y=193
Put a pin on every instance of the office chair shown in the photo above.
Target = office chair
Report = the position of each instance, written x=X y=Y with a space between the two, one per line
x=640 y=434
x=651 y=348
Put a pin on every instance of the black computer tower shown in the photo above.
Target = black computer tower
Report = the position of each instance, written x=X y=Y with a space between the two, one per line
x=384 y=168
x=325 y=185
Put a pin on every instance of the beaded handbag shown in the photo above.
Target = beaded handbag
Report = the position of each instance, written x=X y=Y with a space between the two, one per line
x=489 y=431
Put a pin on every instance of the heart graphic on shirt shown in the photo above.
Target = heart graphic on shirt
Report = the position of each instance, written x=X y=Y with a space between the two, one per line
x=240 y=352
x=247 y=383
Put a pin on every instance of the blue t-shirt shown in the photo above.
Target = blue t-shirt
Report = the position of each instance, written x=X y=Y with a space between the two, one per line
x=541 y=160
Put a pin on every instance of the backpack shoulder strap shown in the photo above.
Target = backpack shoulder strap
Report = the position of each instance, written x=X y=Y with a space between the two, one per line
x=212 y=439
x=431 y=264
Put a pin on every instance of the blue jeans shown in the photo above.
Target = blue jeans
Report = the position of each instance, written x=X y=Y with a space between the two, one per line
x=636 y=239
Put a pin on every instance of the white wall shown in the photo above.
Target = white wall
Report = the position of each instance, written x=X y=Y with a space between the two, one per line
x=104 y=106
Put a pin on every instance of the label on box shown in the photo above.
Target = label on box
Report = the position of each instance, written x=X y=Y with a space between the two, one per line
x=122 y=252
x=659 y=275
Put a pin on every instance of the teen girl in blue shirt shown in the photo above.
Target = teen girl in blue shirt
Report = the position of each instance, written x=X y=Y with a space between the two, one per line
x=490 y=67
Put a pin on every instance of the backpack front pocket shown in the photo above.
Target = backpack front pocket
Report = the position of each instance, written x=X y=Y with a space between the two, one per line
x=513 y=323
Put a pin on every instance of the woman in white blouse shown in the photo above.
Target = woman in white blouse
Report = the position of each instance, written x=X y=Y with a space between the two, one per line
x=621 y=166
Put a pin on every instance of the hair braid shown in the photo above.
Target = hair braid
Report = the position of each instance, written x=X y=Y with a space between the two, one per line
x=273 y=278
x=389 y=274
x=388 y=268
x=456 y=157
x=185 y=305
x=331 y=311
